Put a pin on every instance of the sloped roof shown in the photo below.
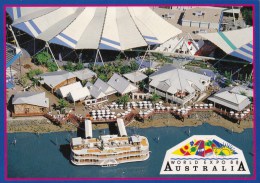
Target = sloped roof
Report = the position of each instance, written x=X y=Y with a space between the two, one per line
x=32 y=98
x=135 y=76
x=110 y=28
x=65 y=90
x=95 y=92
x=170 y=79
x=84 y=74
x=236 y=42
x=106 y=88
x=231 y=100
x=121 y=84
x=79 y=94
x=52 y=79
x=241 y=88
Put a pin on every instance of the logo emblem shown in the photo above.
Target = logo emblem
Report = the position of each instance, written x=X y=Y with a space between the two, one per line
x=204 y=154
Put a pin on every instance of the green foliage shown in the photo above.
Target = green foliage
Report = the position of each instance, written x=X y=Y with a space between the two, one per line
x=142 y=85
x=247 y=14
x=149 y=71
x=251 y=99
x=33 y=73
x=227 y=74
x=123 y=99
x=79 y=66
x=103 y=77
x=62 y=103
x=242 y=93
x=105 y=72
x=161 y=58
x=125 y=69
x=118 y=57
x=228 y=82
x=44 y=58
x=69 y=66
x=154 y=98
x=52 y=66
x=134 y=66
x=24 y=80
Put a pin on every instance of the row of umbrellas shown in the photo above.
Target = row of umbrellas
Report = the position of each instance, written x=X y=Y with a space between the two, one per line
x=242 y=114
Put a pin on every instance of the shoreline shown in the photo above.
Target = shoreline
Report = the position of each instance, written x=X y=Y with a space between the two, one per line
x=164 y=121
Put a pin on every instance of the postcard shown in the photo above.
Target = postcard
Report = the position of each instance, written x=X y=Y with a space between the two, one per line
x=160 y=91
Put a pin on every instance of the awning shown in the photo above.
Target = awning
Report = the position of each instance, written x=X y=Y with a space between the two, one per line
x=238 y=43
x=109 y=28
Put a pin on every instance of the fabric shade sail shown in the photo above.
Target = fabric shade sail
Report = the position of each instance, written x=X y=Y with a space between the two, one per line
x=109 y=28
x=238 y=43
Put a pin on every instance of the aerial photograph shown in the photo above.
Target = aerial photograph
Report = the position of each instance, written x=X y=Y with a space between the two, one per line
x=105 y=92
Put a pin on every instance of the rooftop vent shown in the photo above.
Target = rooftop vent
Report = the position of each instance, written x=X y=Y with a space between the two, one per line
x=198 y=13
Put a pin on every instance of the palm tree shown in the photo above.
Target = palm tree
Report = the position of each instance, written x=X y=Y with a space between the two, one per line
x=155 y=97
x=123 y=100
x=62 y=104
x=243 y=93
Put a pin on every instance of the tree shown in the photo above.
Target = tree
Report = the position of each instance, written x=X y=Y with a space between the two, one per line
x=123 y=100
x=243 y=93
x=125 y=69
x=62 y=104
x=155 y=97
x=33 y=73
x=142 y=85
x=103 y=77
x=228 y=82
x=118 y=57
x=149 y=71
x=69 y=66
x=24 y=81
x=247 y=14
x=79 y=66
x=134 y=66
x=51 y=66
x=42 y=58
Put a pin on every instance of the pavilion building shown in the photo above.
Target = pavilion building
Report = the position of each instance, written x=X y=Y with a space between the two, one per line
x=178 y=85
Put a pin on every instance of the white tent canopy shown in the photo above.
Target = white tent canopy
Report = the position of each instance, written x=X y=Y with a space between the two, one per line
x=236 y=42
x=109 y=28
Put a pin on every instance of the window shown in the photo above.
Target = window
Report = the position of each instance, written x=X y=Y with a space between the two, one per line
x=26 y=110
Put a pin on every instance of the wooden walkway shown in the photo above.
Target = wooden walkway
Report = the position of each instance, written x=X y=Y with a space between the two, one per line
x=194 y=110
x=77 y=120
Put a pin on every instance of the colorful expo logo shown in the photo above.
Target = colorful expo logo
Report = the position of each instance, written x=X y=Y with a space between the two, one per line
x=204 y=154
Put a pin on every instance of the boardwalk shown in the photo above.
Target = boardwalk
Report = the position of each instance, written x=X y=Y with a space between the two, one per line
x=181 y=114
x=194 y=110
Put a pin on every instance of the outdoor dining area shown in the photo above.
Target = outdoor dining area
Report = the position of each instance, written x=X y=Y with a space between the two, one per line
x=103 y=115
x=108 y=115
x=240 y=115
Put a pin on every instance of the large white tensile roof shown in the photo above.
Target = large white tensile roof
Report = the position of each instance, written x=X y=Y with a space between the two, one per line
x=238 y=43
x=109 y=28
